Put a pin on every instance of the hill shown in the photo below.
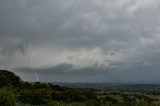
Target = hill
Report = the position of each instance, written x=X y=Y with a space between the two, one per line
x=8 y=78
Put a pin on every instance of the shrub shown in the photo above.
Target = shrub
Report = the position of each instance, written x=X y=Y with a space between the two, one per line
x=41 y=96
x=25 y=96
x=7 y=97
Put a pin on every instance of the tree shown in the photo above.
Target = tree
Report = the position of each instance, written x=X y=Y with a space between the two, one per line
x=9 y=79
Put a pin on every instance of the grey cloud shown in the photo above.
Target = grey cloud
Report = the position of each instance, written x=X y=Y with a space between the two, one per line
x=10 y=49
x=138 y=73
x=64 y=69
x=58 y=69
x=129 y=32
x=79 y=23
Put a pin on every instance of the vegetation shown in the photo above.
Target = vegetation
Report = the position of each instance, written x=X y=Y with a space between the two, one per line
x=8 y=79
x=15 y=92
x=7 y=97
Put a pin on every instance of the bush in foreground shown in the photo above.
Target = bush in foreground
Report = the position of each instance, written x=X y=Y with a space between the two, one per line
x=7 y=97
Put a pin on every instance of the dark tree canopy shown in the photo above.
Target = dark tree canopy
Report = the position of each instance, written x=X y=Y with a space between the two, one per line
x=8 y=78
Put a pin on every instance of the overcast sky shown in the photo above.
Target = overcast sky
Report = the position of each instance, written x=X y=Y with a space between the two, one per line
x=81 y=40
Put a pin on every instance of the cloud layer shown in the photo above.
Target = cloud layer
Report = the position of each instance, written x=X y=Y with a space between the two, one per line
x=110 y=40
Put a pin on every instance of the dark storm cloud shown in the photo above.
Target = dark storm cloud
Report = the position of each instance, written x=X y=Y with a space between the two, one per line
x=137 y=73
x=72 y=24
x=58 y=69
x=64 y=23
x=64 y=69
x=98 y=37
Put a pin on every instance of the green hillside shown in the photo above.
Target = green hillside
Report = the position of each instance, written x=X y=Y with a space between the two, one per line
x=15 y=92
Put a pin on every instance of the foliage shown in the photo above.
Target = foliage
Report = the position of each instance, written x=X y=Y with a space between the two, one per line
x=8 y=79
x=7 y=97
x=36 y=97
x=15 y=92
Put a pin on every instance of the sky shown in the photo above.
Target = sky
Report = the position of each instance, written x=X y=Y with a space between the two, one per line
x=81 y=40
